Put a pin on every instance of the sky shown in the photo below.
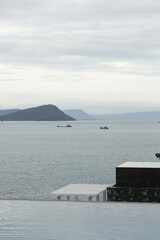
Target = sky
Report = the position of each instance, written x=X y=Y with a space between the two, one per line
x=102 y=56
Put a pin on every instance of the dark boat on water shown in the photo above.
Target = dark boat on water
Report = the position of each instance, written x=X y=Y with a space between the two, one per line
x=65 y=126
x=104 y=127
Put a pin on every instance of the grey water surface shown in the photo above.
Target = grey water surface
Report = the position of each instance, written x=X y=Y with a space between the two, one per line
x=33 y=220
x=36 y=158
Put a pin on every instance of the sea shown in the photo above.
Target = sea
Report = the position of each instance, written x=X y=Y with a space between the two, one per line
x=37 y=158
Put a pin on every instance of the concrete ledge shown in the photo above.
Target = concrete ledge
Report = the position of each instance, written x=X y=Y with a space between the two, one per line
x=78 y=190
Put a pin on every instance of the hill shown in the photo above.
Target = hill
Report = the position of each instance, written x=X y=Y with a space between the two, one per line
x=7 y=111
x=78 y=114
x=41 y=113
x=137 y=116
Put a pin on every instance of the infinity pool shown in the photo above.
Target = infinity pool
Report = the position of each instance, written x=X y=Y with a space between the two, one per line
x=42 y=220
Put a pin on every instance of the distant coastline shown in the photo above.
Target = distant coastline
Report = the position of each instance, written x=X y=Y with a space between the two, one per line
x=53 y=113
x=40 y=113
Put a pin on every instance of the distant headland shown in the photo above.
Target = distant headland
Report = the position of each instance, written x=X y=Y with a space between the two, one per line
x=53 y=113
x=41 y=113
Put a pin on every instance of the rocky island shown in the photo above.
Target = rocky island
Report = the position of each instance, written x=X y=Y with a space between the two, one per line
x=40 y=113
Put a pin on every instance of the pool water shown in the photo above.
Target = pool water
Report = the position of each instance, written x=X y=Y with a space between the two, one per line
x=47 y=220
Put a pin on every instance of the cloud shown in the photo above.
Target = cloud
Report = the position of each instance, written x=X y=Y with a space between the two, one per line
x=69 y=43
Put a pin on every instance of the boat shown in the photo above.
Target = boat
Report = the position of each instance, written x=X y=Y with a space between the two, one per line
x=65 y=126
x=104 y=127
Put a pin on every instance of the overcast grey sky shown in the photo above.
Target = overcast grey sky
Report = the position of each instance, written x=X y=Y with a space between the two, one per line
x=102 y=56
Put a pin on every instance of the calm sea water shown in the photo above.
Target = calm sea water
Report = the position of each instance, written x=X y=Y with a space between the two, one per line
x=37 y=158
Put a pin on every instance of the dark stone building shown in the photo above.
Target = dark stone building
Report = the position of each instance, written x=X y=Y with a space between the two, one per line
x=136 y=182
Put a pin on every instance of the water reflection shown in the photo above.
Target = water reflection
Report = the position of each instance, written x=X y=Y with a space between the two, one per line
x=59 y=220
